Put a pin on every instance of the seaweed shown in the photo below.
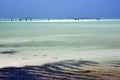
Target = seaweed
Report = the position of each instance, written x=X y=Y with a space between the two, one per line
x=8 y=52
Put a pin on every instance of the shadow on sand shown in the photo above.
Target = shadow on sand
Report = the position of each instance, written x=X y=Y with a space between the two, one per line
x=64 y=70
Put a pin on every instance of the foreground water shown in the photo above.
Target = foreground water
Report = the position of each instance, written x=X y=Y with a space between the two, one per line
x=35 y=43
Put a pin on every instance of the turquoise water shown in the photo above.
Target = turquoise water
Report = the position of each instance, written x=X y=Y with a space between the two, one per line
x=102 y=34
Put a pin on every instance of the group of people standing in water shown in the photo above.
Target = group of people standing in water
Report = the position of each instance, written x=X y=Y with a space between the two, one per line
x=30 y=19
x=20 y=19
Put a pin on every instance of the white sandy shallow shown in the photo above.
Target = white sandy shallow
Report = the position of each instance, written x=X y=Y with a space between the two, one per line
x=43 y=56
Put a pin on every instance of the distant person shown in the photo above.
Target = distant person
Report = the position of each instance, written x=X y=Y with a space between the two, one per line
x=82 y=18
x=11 y=19
x=25 y=19
x=20 y=19
x=98 y=18
x=30 y=19
x=48 y=19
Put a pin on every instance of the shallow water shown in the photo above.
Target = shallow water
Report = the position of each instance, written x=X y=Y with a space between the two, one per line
x=60 y=34
x=59 y=39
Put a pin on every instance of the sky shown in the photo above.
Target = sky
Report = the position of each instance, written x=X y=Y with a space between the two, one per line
x=60 y=8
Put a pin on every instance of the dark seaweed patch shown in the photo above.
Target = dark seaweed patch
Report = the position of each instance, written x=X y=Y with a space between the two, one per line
x=8 y=52
x=1 y=45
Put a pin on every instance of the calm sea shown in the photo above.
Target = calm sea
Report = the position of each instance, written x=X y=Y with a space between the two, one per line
x=102 y=34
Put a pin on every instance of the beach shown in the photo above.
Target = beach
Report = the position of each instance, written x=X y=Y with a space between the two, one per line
x=37 y=43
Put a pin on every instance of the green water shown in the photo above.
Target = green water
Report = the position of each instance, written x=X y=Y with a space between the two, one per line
x=102 y=34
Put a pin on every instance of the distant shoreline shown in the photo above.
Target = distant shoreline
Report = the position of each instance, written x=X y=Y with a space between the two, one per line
x=55 y=20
